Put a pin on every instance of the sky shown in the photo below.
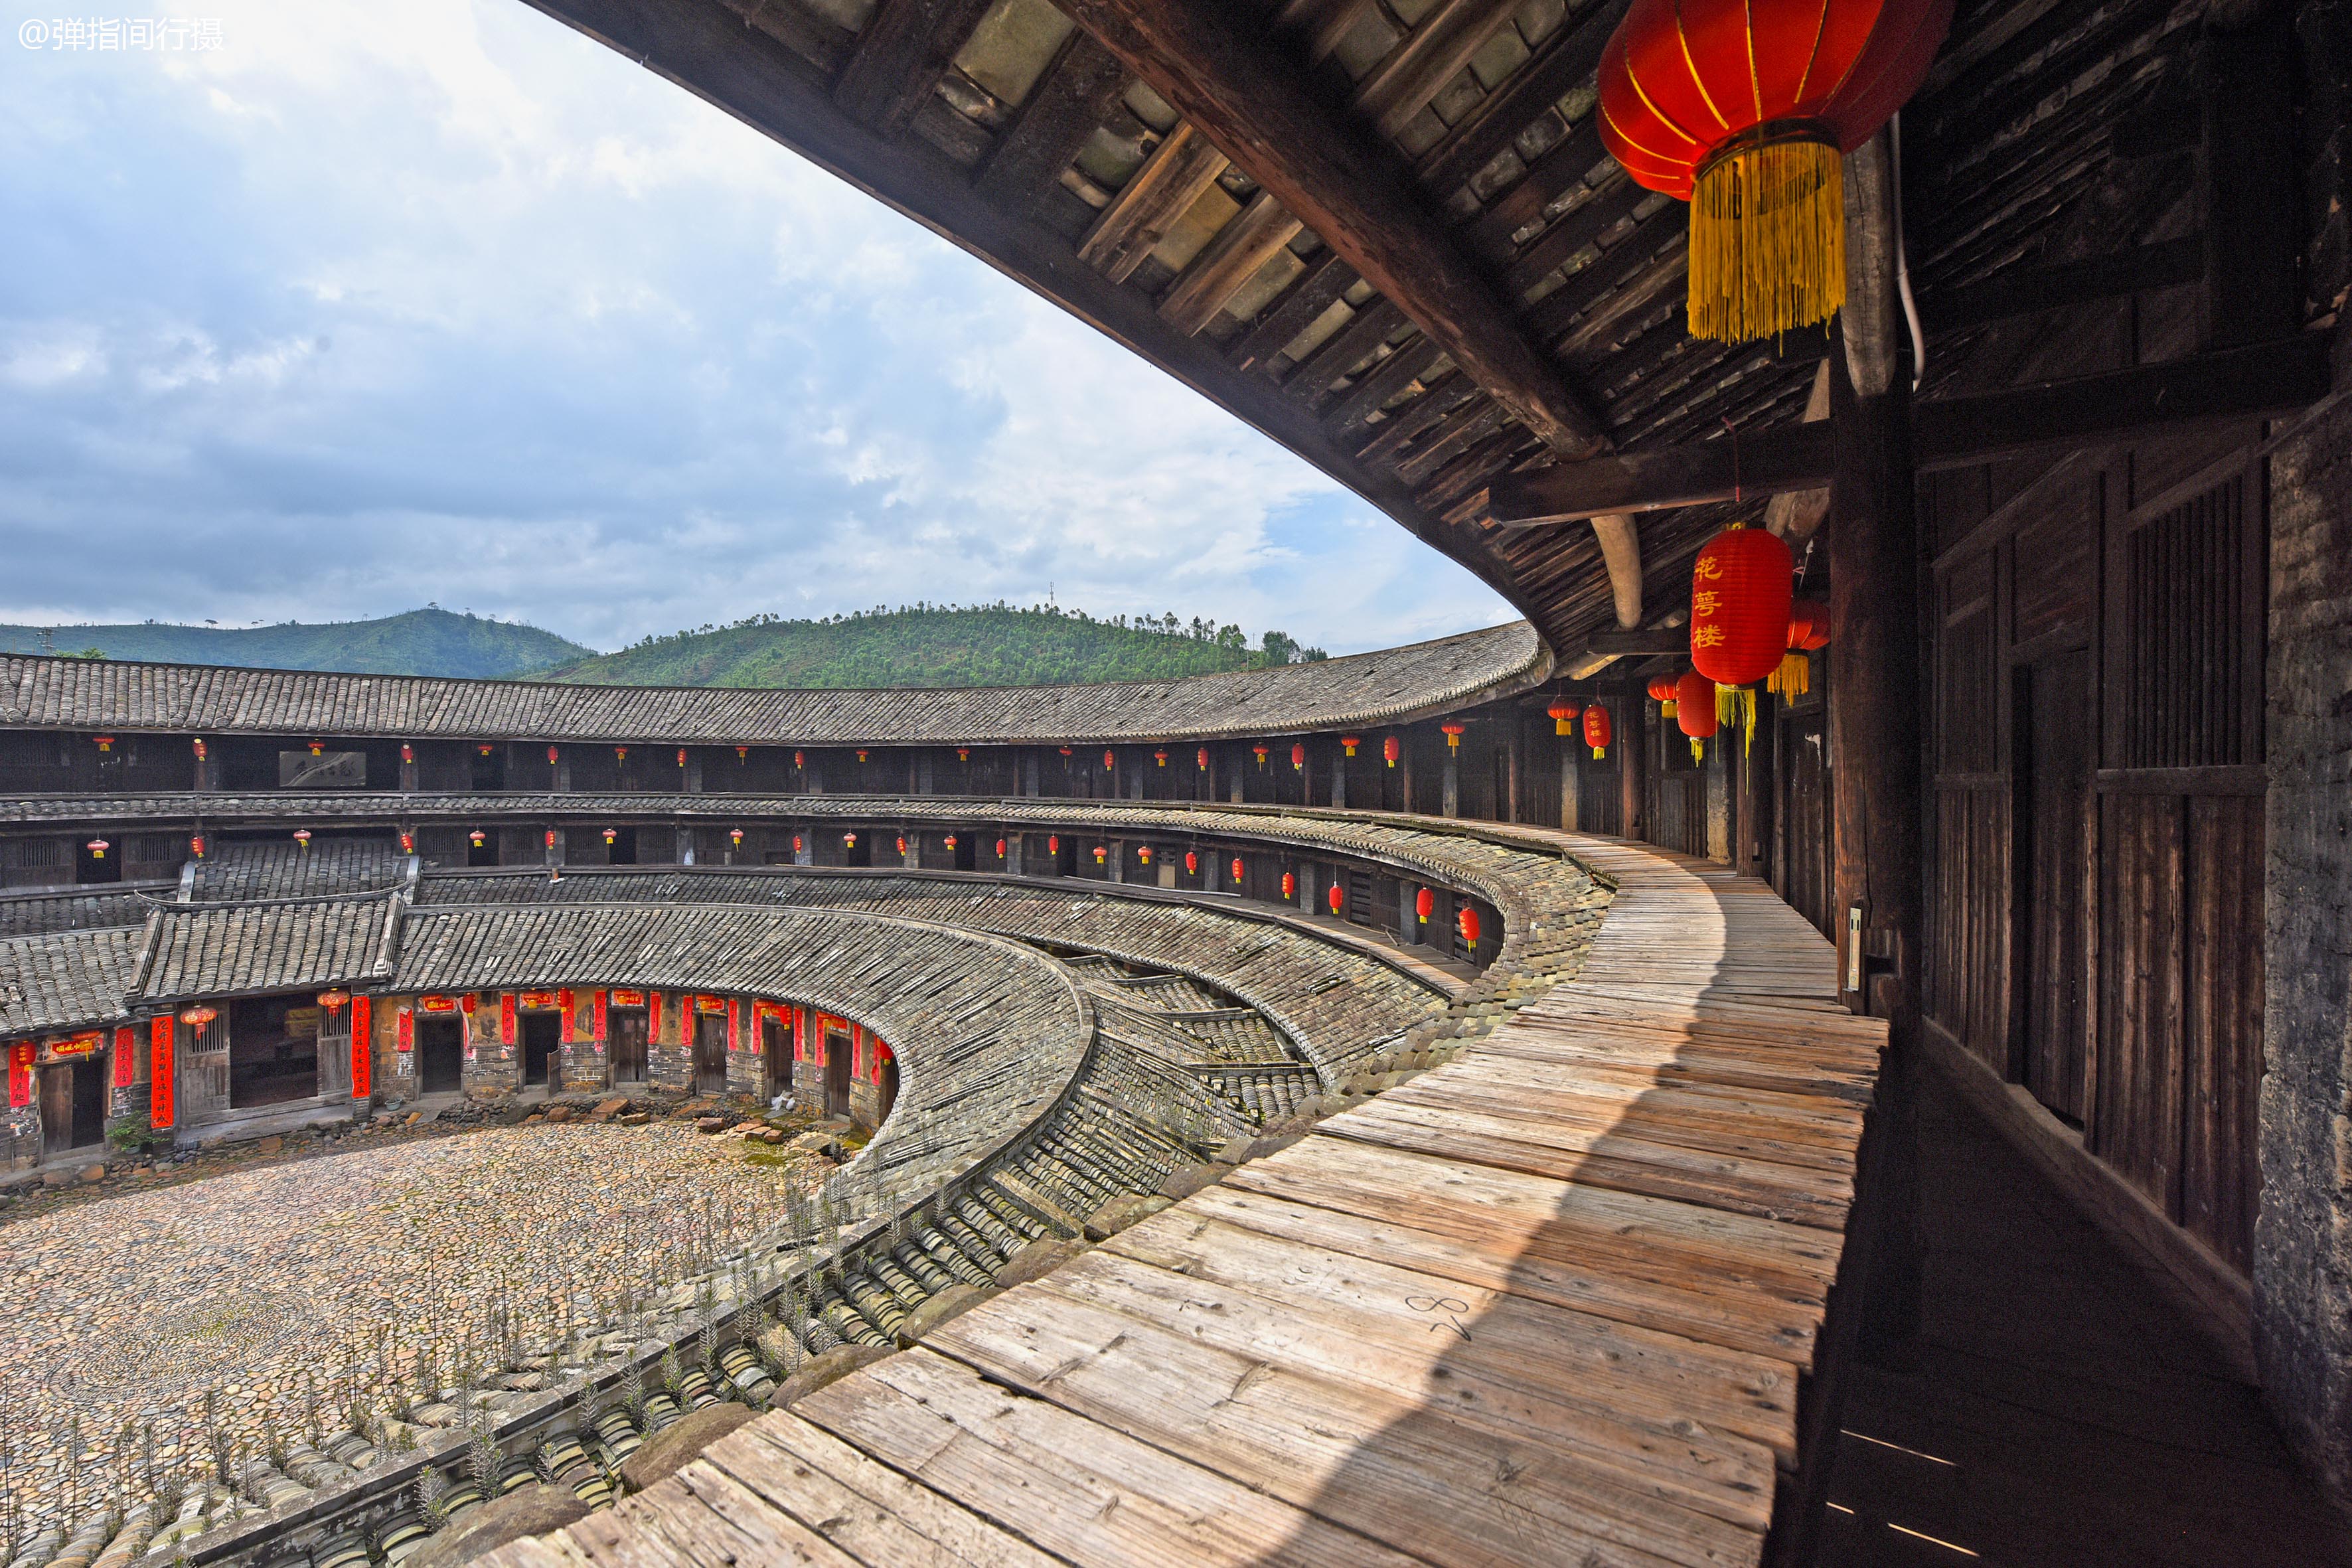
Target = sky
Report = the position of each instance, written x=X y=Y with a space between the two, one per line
x=371 y=306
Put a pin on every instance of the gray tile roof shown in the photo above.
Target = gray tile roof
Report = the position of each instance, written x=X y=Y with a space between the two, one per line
x=234 y=873
x=1361 y=688
x=226 y=949
x=67 y=979
x=28 y=914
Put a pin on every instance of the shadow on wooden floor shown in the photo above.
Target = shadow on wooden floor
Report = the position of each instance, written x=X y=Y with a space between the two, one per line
x=2058 y=1408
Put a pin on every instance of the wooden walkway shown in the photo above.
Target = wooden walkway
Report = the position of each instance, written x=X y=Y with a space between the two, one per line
x=1546 y=1304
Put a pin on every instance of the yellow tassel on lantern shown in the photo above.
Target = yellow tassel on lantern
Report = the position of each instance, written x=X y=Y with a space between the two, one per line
x=1747 y=723
x=1726 y=704
x=1766 y=236
x=1794 y=678
x=1698 y=750
x=1666 y=709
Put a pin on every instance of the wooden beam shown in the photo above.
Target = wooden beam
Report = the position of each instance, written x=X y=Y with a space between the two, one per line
x=1567 y=61
x=1182 y=166
x=1261 y=113
x=1621 y=552
x=2269 y=378
x=898 y=59
x=1310 y=295
x=1627 y=644
x=2023 y=292
x=1425 y=59
x=1063 y=111
x=1231 y=259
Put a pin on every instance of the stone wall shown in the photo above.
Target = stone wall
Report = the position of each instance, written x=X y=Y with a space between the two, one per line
x=2302 y=1238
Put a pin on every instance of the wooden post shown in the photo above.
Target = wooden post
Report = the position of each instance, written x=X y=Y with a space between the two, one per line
x=1510 y=812
x=1874 y=700
x=1340 y=779
x=1632 y=742
x=1450 y=797
x=1568 y=783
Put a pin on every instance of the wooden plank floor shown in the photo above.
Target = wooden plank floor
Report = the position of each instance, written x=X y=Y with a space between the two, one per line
x=1548 y=1303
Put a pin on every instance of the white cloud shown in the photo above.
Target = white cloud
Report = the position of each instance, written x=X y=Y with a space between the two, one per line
x=452 y=303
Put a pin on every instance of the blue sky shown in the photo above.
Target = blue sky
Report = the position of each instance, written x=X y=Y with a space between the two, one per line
x=376 y=305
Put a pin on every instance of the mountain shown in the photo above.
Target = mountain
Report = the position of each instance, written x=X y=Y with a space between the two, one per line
x=419 y=642
x=934 y=644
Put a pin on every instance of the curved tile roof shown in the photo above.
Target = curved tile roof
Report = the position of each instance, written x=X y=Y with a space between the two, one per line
x=1361 y=688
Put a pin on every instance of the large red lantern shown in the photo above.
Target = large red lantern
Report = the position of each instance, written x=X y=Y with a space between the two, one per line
x=1739 y=606
x=1452 y=729
x=1349 y=744
x=1202 y=757
x=1237 y=870
x=1694 y=710
x=1425 y=904
x=1290 y=887
x=1390 y=750
x=1662 y=692
x=1299 y=757
x=1109 y=760
x=1562 y=714
x=1000 y=849
x=1191 y=864
x=1260 y=750
x=1467 y=923
x=1741 y=108
x=1596 y=730
x=1338 y=899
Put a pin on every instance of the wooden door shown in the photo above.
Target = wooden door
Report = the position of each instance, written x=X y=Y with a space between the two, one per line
x=776 y=1055
x=540 y=1035
x=57 y=1108
x=2055 y=791
x=710 y=1053
x=629 y=1026
x=838 y=1066
x=202 y=1060
x=440 y=1055
x=1800 y=856
x=335 y=1052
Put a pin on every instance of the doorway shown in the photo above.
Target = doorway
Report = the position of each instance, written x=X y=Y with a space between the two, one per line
x=92 y=865
x=543 y=1039
x=440 y=1055
x=709 y=1053
x=860 y=853
x=629 y=1028
x=273 y=1050
x=776 y=1056
x=838 y=1052
x=967 y=852
x=885 y=1061
x=624 y=850
x=73 y=1105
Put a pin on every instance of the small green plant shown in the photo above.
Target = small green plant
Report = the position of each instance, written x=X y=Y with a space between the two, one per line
x=134 y=1135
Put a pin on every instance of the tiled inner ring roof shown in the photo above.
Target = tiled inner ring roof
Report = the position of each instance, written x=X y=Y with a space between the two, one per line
x=1360 y=688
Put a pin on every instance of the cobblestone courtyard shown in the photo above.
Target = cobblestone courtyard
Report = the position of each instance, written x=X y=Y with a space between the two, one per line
x=263 y=1287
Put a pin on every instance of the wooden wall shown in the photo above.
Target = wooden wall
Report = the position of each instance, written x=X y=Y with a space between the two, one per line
x=2095 y=853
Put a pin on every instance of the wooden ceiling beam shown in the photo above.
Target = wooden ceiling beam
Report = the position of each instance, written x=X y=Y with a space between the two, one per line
x=1183 y=165
x=1426 y=58
x=898 y=59
x=1313 y=292
x=1069 y=103
x=2260 y=379
x=1259 y=111
x=1226 y=262
x=1568 y=58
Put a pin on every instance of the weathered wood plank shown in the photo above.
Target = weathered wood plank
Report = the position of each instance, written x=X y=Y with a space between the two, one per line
x=898 y=61
x=1247 y=243
x=1062 y=112
x=1182 y=167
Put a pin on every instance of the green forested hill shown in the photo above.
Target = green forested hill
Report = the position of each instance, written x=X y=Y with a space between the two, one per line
x=419 y=642
x=934 y=644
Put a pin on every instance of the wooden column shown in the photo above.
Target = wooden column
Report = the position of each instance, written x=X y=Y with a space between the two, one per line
x=1632 y=745
x=1512 y=742
x=1568 y=783
x=1450 y=799
x=1875 y=697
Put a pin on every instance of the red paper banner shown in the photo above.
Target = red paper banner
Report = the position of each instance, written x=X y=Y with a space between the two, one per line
x=362 y=1051
x=628 y=998
x=507 y=1019
x=406 y=1026
x=82 y=1045
x=734 y=1024
x=542 y=999
x=20 y=1075
x=126 y=1065
x=160 y=1082
x=603 y=1004
x=437 y=1004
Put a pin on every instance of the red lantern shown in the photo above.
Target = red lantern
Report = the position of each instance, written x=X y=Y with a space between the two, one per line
x=849 y=841
x=199 y=743
x=1000 y=849
x=483 y=747
x=1191 y=864
x=408 y=753
x=951 y=843
x=1159 y=757
x=1562 y=714
x=1739 y=606
x=1338 y=899
x=1349 y=744
x=196 y=844
x=408 y=844
x=800 y=760
x=796 y=844
x=1290 y=887
x=98 y=848
x=1596 y=730
x=1467 y=922
x=1299 y=757
x=621 y=753
x=1143 y=855
x=551 y=756
x=1390 y=750
x=611 y=834
x=1453 y=728
x=1741 y=108
x=1809 y=628
x=861 y=753
x=1109 y=760
x=318 y=748
x=302 y=836
x=963 y=753
x=198 y=1016
x=1260 y=749
x=1066 y=753
x=902 y=844
x=1102 y=854
x=475 y=837
x=743 y=754
x=106 y=743
x=735 y=837
x=1237 y=870
x=1053 y=844
x=1202 y=757
x=1425 y=904
x=1694 y=710
x=681 y=756
x=550 y=838
x=334 y=1001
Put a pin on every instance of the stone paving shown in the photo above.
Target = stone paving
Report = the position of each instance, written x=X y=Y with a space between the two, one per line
x=284 y=1289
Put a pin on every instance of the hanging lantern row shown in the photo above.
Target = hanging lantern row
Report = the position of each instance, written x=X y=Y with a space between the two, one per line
x=1741 y=108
